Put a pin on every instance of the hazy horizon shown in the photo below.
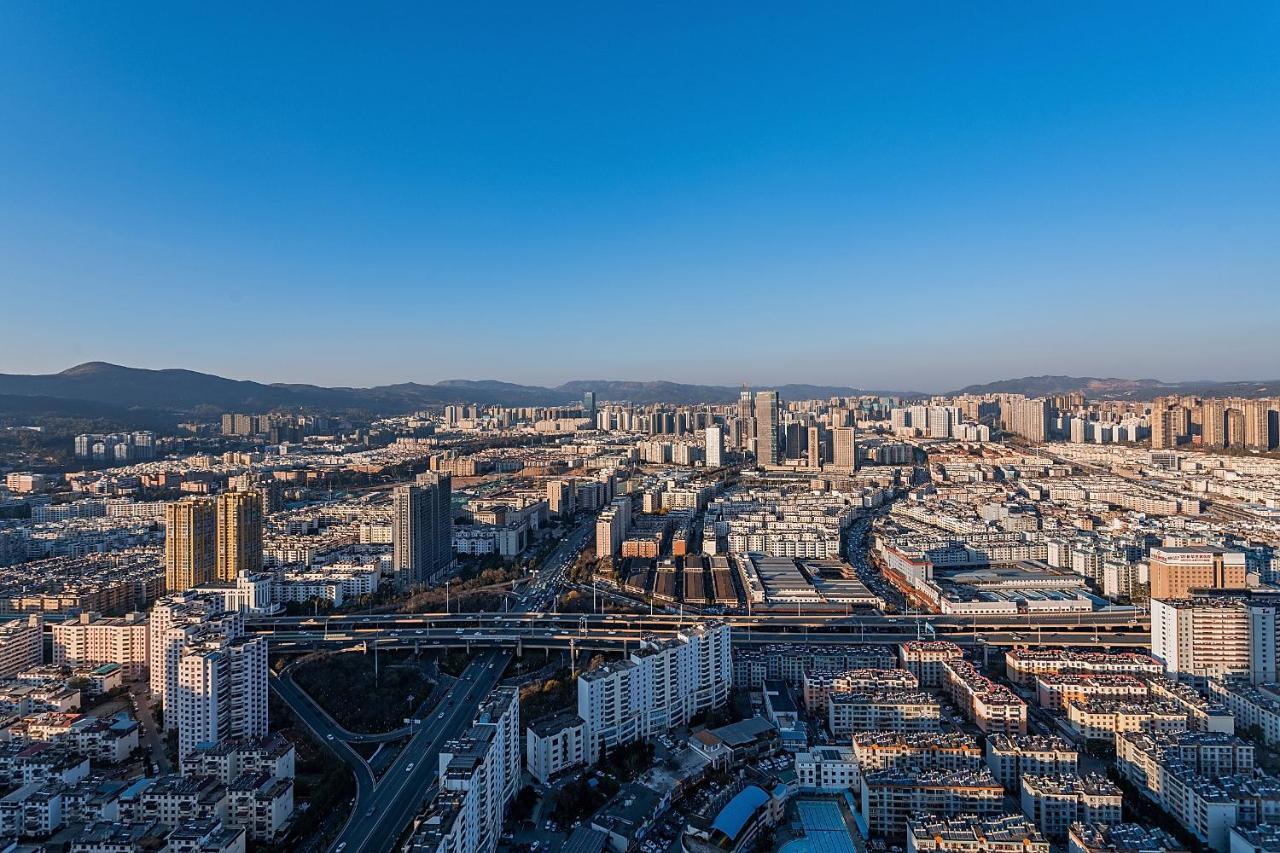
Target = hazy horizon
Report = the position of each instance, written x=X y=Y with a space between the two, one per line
x=321 y=382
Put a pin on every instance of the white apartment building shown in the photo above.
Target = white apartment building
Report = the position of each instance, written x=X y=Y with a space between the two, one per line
x=260 y=803
x=993 y=707
x=924 y=659
x=891 y=798
x=875 y=751
x=663 y=684
x=1204 y=638
x=816 y=686
x=827 y=768
x=883 y=710
x=1023 y=665
x=1012 y=756
x=1056 y=802
x=174 y=800
x=1056 y=689
x=176 y=621
x=228 y=759
x=554 y=744
x=1207 y=782
x=1100 y=719
x=91 y=640
x=222 y=691
x=21 y=644
x=479 y=776
x=1007 y=834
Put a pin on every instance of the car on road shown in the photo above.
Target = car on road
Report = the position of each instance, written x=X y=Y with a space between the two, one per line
x=328 y=737
x=409 y=769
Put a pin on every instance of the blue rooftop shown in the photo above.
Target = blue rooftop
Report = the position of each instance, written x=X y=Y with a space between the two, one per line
x=739 y=810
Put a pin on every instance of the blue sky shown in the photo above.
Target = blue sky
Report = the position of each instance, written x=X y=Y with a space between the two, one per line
x=881 y=195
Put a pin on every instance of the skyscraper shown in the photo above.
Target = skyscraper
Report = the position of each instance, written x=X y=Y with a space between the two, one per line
x=1213 y=424
x=940 y=421
x=844 y=451
x=1168 y=424
x=746 y=421
x=714 y=447
x=1257 y=425
x=589 y=406
x=1030 y=418
x=767 y=427
x=422 y=530
x=1234 y=430
x=815 y=446
x=239 y=534
x=190 y=552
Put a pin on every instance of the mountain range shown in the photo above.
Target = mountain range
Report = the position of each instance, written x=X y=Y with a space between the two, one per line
x=1121 y=389
x=95 y=385
x=176 y=390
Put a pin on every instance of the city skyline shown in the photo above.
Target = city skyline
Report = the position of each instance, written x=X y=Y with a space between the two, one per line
x=920 y=203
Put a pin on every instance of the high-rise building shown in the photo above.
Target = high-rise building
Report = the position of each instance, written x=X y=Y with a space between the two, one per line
x=1233 y=430
x=1029 y=418
x=1169 y=423
x=1257 y=424
x=844 y=448
x=562 y=497
x=589 y=406
x=176 y=622
x=21 y=644
x=660 y=686
x=714 y=442
x=1214 y=637
x=422 y=530
x=479 y=775
x=746 y=421
x=222 y=691
x=817 y=447
x=767 y=428
x=190 y=543
x=940 y=421
x=239 y=534
x=1213 y=424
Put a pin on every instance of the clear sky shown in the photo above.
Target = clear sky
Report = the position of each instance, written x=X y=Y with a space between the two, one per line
x=882 y=194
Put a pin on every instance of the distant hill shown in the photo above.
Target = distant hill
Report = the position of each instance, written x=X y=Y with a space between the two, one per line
x=17 y=409
x=175 y=390
x=1118 y=389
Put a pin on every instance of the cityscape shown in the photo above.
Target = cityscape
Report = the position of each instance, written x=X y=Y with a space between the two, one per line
x=652 y=428
x=979 y=621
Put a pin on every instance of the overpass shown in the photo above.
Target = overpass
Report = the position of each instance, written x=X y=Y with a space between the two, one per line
x=623 y=638
x=538 y=628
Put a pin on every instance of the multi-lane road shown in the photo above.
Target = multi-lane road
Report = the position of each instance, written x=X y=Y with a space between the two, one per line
x=383 y=811
x=385 y=806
